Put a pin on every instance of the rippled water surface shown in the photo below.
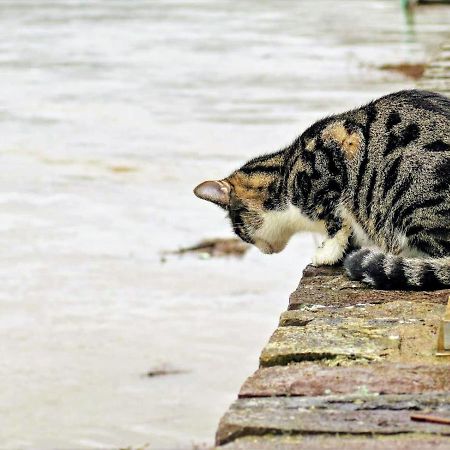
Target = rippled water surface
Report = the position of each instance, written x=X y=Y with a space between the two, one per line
x=110 y=112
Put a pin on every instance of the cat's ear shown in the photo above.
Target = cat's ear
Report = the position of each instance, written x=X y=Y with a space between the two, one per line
x=217 y=192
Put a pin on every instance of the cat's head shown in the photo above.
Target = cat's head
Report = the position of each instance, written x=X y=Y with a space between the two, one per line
x=254 y=201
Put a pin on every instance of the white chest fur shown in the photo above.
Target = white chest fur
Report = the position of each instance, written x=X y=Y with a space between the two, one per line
x=279 y=226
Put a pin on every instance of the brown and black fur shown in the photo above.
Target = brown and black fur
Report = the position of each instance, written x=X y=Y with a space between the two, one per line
x=382 y=171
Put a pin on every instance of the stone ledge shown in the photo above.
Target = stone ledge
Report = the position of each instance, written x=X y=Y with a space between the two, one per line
x=350 y=324
x=309 y=379
x=350 y=414
x=334 y=341
x=331 y=287
x=346 y=361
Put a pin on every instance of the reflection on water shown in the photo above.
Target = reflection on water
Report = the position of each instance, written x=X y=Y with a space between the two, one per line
x=110 y=113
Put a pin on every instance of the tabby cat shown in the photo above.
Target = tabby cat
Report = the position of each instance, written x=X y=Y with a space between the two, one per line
x=376 y=177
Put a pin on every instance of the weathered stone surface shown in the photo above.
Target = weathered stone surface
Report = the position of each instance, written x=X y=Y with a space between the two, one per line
x=332 y=341
x=309 y=379
x=329 y=286
x=396 y=312
x=415 y=324
x=320 y=442
x=359 y=414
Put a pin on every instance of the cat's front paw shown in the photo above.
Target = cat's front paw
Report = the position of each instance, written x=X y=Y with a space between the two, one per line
x=329 y=253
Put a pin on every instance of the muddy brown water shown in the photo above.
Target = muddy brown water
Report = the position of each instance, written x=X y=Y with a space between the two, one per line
x=111 y=112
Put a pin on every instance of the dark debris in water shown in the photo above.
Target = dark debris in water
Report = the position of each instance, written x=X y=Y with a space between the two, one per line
x=162 y=371
x=414 y=71
x=209 y=248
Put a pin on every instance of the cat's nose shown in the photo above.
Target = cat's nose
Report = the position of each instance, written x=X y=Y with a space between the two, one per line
x=264 y=246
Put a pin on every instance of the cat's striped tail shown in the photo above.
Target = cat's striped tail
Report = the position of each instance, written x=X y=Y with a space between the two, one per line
x=387 y=271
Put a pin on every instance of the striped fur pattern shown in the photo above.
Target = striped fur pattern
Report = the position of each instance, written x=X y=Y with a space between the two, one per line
x=376 y=177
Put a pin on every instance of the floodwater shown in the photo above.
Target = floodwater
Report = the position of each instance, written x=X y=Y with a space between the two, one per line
x=111 y=112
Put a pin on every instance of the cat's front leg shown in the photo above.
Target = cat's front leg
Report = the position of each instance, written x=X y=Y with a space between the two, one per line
x=334 y=247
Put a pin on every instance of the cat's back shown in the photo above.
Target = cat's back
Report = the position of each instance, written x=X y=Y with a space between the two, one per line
x=401 y=174
x=402 y=135
x=414 y=100
x=413 y=121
